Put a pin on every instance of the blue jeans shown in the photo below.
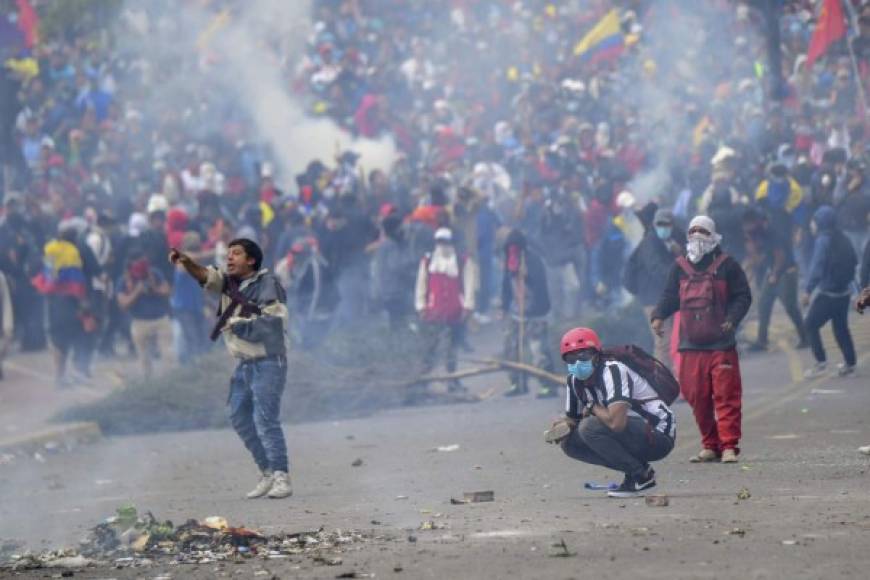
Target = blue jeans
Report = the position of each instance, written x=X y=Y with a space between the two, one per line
x=255 y=408
x=193 y=334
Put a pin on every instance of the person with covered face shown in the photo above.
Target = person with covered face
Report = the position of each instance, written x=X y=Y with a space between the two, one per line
x=525 y=302
x=710 y=291
x=613 y=416
x=646 y=272
x=444 y=299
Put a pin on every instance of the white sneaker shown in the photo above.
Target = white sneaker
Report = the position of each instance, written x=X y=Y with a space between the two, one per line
x=266 y=482
x=281 y=487
x=845 y=370
x=482 y=318
x=816 y=370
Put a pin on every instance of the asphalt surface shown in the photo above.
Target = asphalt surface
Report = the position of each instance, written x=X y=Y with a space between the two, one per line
x=808 y=514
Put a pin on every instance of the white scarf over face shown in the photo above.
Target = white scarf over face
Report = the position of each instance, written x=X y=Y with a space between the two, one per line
x=699 y=245
x=444 y=261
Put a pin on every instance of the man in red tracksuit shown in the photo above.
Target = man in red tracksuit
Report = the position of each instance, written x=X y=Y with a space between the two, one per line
x=710 y=290
x=444 y=299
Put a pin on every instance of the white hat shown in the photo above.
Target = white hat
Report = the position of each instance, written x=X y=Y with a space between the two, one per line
x=722 y=155
x=157 y=202
x=705 y=222
x=443 y=235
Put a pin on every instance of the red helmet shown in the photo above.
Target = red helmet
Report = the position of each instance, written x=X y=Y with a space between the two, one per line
x=579 y=339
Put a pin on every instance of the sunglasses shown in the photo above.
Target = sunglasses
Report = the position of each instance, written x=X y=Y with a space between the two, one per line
x=580 y=355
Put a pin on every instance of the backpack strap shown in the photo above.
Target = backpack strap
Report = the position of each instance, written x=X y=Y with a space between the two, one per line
x=237 y=299
x=683 y=263
x=714 y=267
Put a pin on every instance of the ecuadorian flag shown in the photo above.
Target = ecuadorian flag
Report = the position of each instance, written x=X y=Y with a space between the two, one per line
x=604 y=42
x=62 y=274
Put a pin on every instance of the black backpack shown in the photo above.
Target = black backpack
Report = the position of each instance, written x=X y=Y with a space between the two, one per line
x=842 y=262
x=652 y=370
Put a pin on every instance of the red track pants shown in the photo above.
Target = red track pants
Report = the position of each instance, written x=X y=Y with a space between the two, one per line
x=710 y=382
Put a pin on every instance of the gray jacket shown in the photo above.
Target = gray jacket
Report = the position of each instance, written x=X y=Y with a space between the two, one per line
x=258 y=335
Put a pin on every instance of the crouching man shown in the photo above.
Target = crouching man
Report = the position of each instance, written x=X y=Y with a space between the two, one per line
x=614 y=417
x=252 y=320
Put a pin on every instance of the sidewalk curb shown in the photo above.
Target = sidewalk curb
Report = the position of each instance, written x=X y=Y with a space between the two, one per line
x=77 y=433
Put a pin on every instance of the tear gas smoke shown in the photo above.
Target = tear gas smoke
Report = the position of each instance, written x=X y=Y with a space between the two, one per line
x=685 y=56
x=238 y=65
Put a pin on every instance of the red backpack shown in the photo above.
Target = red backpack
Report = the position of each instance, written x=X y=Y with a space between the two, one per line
x=651 y=369
x=702 y=302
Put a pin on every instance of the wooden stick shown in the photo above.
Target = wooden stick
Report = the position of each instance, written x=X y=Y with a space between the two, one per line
x=523 y=368
x=521 y=290
x=491 y=368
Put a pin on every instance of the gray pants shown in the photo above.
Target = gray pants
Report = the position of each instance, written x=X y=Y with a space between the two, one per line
x=629 y=451
x=536 y=347
x=436 y=333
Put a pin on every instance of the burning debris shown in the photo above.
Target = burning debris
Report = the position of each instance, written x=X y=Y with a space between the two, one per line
x=129 y=540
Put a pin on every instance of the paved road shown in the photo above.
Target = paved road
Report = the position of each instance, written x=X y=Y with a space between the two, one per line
x=808 y=515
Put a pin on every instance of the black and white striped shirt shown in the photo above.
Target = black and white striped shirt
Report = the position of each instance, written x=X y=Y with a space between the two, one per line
x=616 y=382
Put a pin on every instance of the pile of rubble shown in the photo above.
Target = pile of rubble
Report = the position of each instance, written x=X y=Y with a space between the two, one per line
x=130 y=540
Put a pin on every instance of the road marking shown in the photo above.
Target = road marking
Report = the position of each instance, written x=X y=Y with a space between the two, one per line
x=774 y=401
x=29 y=372
x=794 y=360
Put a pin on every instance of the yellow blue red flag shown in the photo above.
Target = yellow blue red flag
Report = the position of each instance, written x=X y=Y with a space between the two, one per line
x=604 y=42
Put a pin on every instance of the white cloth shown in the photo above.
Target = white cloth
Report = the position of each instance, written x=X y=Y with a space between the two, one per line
x=699 y=245
x=444 y=261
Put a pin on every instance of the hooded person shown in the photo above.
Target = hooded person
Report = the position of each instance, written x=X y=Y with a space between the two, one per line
x=728 y=216
x=392 y=270
x=782 y=197
x=710 y=291
x=525 y=301
x=646 y=271
x=828 y=291
x=444 y=298
x=177 y=221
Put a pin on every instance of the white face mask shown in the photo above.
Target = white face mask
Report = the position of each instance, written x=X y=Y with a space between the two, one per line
x=699 y=245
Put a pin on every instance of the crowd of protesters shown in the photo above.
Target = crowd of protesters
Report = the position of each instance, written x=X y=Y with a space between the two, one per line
x=523 y=167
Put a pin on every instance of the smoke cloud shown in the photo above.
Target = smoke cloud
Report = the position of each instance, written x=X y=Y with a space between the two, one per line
x=239 y=65
x=686 y=54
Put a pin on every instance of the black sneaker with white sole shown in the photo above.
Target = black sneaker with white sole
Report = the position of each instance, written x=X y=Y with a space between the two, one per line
x=634 y=486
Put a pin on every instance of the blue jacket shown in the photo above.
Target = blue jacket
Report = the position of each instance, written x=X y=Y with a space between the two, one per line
x=821 y=275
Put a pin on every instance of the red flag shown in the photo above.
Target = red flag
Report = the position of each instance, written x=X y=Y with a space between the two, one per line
x=28 y=21
x=831 y=27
